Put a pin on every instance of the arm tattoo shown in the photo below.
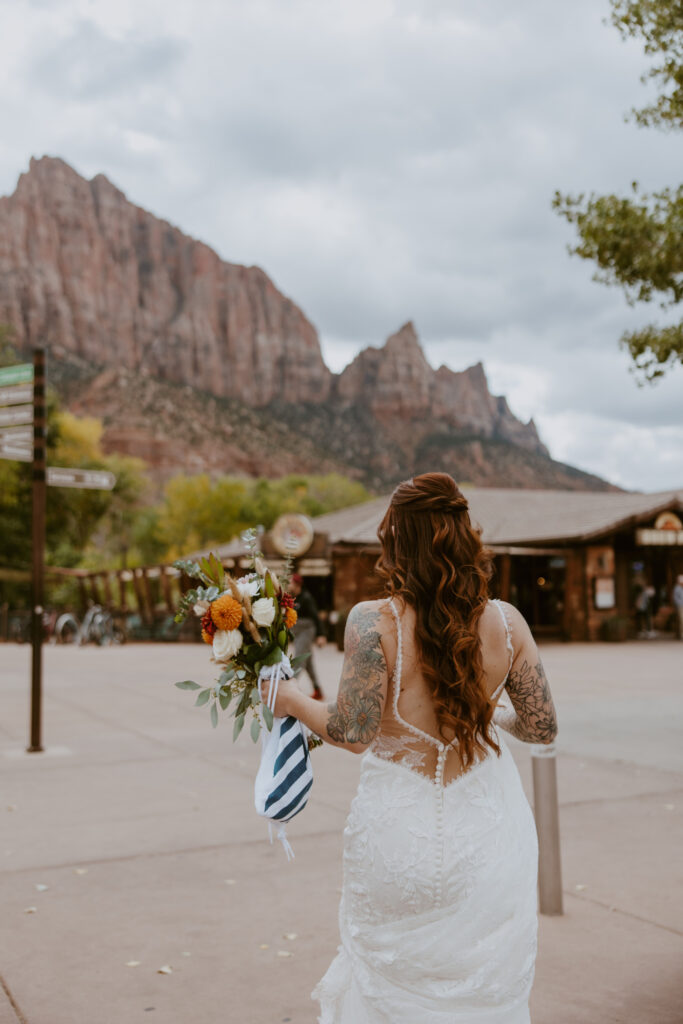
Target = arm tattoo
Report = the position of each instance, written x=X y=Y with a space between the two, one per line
x=535 y=720
x=355 y=716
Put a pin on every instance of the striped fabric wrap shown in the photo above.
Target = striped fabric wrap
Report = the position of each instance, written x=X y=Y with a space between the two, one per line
x=285 y=774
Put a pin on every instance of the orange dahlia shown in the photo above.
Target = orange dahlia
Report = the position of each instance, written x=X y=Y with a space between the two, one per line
x=226 y=612
x=290 y=617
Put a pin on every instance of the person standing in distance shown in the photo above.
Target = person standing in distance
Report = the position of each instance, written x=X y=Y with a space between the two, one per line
x=308 y=629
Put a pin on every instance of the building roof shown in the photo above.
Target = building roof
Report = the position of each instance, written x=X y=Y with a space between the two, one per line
x=509 y=516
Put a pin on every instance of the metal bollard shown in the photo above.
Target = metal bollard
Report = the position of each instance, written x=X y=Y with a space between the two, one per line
x=547 y=816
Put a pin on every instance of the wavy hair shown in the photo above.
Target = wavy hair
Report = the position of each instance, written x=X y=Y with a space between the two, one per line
x=433 y=558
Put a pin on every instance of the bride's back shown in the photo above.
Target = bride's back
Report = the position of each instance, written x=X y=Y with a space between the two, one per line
x=409 y=729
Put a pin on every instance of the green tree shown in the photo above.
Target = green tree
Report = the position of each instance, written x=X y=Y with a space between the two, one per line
x=636 y=241
x=198 y=513
x=83 y=527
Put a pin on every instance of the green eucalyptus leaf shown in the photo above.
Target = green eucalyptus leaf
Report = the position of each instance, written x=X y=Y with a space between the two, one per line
x=273 y=657
x=239 y=722
x=214 y=715
x=255 y=729
x=300 y=659
x=188 y=684
x=224 y=700
x=203 y=698
x=267 y=717
x=255 y=696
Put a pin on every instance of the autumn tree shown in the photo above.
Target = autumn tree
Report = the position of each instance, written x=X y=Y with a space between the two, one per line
x=636 y=241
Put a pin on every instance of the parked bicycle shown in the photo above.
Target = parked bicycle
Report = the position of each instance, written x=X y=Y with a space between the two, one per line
x=99 y=626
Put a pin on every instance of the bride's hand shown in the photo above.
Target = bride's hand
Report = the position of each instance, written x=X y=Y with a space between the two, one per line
x=285 y=692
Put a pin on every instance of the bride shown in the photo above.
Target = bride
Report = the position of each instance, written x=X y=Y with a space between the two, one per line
x=438 y=908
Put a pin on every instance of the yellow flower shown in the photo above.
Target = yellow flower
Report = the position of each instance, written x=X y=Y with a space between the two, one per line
x=226 y=612
x=290 y=617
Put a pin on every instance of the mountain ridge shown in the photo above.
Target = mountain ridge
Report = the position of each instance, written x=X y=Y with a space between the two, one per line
x=127 y=304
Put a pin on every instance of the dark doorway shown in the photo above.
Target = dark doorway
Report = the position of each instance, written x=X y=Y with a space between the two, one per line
x=537 y=588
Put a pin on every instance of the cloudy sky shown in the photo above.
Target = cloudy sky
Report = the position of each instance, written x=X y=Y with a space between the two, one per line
x=382 y=160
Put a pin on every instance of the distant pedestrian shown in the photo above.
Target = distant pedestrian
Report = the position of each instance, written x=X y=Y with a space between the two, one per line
x=308 y=629
x=678 y=603
x=644 y=612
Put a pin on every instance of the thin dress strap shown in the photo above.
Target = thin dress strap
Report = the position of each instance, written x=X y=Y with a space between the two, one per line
x=508 y=644
x=397 y=684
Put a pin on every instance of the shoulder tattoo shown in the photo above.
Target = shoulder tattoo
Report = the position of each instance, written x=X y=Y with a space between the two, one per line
x=356 y=715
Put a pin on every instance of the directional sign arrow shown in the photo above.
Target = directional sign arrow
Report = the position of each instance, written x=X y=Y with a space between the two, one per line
x=22 y=373
x=17 y=436
x=15 y=453
x=15 y=394
x=16 y=414
x=97 y=479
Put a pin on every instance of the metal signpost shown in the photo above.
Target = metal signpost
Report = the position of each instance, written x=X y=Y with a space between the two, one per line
x=23 y=432
x=38 y=546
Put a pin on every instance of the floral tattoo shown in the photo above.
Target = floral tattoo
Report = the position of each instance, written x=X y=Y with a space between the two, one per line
x=356 y=714
x=535 y=720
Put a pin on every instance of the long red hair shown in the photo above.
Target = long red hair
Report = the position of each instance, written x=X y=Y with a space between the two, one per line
x=433 y=558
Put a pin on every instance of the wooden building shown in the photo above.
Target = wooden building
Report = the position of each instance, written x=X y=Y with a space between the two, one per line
x=571 y=561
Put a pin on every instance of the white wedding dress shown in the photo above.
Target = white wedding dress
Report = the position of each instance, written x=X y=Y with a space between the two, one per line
x=438 y=909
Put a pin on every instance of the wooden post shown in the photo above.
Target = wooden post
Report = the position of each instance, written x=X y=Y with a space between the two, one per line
x=166 y=588
x=505 y=565
x=547 y=816
x=123 y=603
x=38 y=545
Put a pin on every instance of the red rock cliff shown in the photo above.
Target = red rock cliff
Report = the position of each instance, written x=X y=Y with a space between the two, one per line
x=83 y=271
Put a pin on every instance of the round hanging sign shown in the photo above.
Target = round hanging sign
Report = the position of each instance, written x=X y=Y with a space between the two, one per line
x=292 y=534
x=668 y=521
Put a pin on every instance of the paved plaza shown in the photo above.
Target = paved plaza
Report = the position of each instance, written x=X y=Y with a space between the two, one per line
x=131 y=845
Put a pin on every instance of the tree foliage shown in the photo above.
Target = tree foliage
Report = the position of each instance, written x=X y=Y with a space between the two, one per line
x=636 y=241
x=197 y=512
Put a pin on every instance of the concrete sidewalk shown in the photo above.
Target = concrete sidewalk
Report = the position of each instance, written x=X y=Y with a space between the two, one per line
x=138 y=819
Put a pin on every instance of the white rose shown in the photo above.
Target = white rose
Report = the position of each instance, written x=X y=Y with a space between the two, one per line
x=226 y=644
x=248 y=586
x=263 y=611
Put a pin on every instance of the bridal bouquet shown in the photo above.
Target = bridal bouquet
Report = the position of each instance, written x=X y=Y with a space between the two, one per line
x=247 y=622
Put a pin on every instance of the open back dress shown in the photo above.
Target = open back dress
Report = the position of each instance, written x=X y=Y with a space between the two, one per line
x=438 y=912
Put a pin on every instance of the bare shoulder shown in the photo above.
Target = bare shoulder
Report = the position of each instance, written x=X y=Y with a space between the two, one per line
x=368 y=614
x=519 y=627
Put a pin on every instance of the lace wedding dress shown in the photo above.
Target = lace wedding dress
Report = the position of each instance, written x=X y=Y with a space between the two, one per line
x=438 y=909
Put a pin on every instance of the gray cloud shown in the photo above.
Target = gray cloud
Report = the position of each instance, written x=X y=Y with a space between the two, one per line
x=89 y=65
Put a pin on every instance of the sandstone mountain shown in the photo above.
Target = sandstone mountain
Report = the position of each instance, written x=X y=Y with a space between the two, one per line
x=198 y=364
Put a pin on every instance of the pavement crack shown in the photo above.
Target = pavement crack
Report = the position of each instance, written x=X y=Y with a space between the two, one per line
x=611 y=908
x=12 y=1001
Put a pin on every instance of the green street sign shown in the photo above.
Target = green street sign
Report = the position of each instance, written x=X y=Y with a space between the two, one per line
x=21 y=373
